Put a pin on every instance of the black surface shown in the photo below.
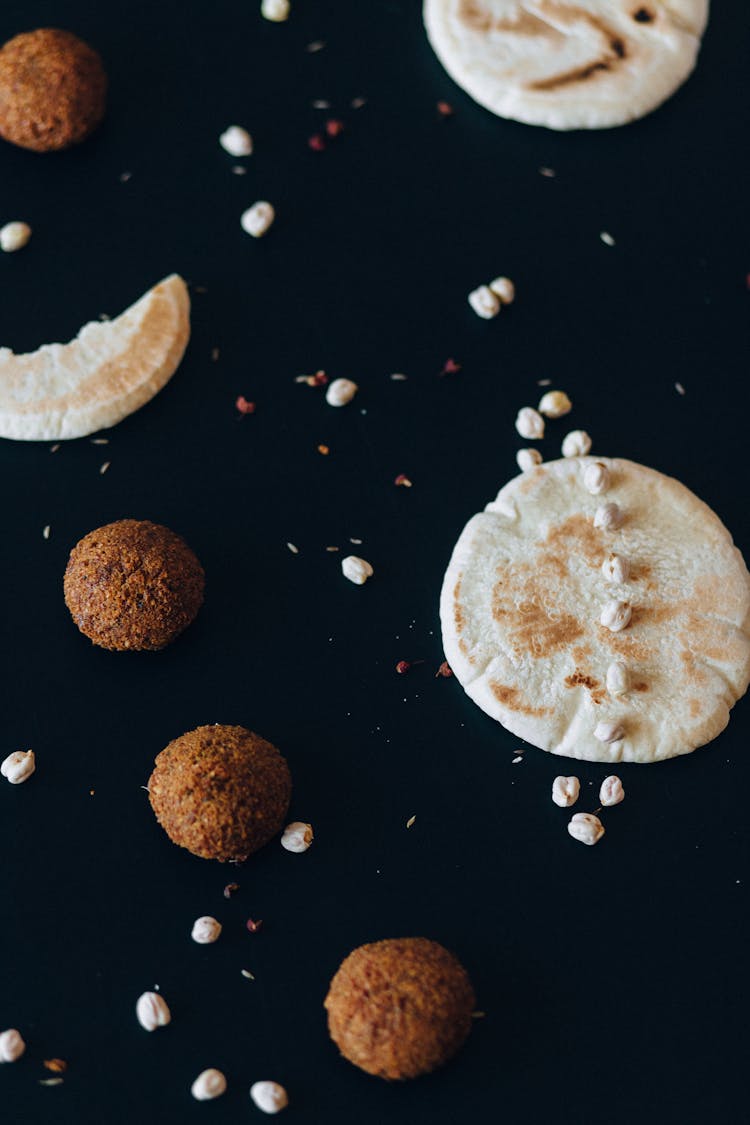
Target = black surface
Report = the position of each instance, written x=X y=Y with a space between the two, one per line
x=611 y=977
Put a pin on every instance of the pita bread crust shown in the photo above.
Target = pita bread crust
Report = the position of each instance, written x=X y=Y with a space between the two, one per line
x=110 y=370
x=567 y=64
x=522 y=596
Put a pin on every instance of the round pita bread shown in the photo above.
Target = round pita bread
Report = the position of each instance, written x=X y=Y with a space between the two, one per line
x=582 y=64
x=110 y=370
x=523 y=594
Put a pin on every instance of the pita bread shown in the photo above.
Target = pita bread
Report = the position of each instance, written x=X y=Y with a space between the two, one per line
x=524 y=591
x=583 y=64
x=109 y=370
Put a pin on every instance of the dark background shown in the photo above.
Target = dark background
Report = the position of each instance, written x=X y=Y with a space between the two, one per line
x=611 y=977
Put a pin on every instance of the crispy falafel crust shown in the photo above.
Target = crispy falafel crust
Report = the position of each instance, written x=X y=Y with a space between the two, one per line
x=222 y=792
x=400 y=1008
x=133 y=584
x=53 y=90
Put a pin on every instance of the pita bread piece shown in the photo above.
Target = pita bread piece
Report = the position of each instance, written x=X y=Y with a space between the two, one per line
x=608 y=627
x=110 y=370
x=583 y=64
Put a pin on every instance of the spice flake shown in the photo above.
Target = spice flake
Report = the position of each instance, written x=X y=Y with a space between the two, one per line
x=411 y=821
x=57 y=1066
x=319 y=379
x=450 y=367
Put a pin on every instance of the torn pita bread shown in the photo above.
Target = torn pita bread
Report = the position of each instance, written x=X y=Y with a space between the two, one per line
x=583 y=64
x=109 y=370
x=522 y=599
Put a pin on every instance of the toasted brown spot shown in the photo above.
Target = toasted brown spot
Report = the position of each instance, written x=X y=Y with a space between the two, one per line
x=640 y=686
x=580 y=74
x=695 y=707
x=580 y=679
x=458 y=613
x=524 y=22
x=533 y=628
x=630 y=647
x=692 y=670
x=554 y=564
x=511 y=698
x=576 y=536
x=580 y=653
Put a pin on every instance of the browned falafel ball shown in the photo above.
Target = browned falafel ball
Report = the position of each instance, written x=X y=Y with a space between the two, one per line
x=400 y=1008
x=53 y=89
x=133 y=584
x=221 y=792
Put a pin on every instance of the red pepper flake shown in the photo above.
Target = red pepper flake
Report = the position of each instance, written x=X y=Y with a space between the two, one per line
x=244 y=406
x=324 y=450
x=402 y=481
x=334 y=127
x=445 y=109
x=444 y=670
x=57 y=1066
x=316 y=142
x=231 y=889
x=319 y=379
x=450 y=367
x=403 y=666
x=254 y=926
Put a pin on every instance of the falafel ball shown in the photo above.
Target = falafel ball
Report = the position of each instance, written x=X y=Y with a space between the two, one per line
x=53 y=90
x=400 y=1008
x=133 y=584
x=222 y=792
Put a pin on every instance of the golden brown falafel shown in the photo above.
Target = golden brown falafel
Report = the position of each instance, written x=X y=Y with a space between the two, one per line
x=133 y=584
x=222 y=792
x=400 y=1008
x=53 y=90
